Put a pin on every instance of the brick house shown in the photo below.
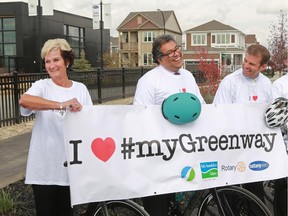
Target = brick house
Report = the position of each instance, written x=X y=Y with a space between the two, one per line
x=222 y=43
x=137 y=32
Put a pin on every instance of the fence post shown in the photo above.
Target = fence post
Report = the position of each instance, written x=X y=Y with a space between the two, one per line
x=16 y=97
x=99 y=87
x=142 y=71
x=123 y=82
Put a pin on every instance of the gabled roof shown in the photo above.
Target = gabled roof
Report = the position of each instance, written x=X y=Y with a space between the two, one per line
x=213 y=25
x=152 y=17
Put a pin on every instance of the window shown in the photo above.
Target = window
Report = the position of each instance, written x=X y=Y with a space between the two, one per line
x=223 y=38
x=75 y=37
x=126 y=37
x=147 y=59
x=7 y=42
x=199 y=39
x=148 y=36
x=7 y=37
x=233 y=38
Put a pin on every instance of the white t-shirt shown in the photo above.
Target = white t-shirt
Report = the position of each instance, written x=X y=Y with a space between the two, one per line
x=236 y=88
x=159 y=83
x=46 y=157
x=280 y=87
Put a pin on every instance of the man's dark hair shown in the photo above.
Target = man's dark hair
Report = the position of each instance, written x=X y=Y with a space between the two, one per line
x=157 y=43
x=259 y=50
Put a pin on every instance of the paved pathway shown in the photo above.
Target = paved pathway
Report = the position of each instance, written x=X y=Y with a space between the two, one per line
x=13 y=157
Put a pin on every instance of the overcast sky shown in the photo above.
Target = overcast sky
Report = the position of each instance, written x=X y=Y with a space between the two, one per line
x=248 y=16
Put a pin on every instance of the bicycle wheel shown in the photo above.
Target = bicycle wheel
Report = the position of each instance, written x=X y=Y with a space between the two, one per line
x=121 y=208
x=280 y=199
x=269 y=187
x=235 y=201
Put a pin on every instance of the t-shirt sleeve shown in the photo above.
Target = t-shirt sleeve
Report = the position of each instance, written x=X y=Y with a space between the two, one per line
x=278 y=89
x=144 y=94
x=88 y=100
x=223 y=94
x=36 y=90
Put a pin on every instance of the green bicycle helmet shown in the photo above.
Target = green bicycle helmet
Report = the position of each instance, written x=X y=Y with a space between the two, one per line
x=181 y=108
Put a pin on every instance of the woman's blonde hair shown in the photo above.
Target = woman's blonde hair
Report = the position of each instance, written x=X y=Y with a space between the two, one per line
x=64 y=47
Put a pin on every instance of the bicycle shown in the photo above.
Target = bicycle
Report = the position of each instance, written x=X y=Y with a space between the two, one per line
x=276 y=195
x=224 y=201
x=116 y=208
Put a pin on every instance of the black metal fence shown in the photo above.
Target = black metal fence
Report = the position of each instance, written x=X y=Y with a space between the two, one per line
x=103 y=85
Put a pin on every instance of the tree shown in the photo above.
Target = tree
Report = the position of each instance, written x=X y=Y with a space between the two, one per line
x=111 y=60
x=277 y=41
x=82 y=64
x=211 y=73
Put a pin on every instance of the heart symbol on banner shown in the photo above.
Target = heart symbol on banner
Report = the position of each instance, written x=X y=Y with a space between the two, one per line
x=103 y=149
x=255 y=97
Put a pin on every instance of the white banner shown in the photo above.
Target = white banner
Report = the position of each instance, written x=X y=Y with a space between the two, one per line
x=32 y=7
x=96 y=15
x=126 y=151
x=47 y=7
x=106 y=15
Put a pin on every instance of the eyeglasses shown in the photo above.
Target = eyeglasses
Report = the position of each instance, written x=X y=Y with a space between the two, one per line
x=171 y=53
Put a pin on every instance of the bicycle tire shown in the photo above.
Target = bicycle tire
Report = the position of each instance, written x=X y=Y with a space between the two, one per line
x=235 y=201
x=280 y=209
x=269 y=187
x=121 y=208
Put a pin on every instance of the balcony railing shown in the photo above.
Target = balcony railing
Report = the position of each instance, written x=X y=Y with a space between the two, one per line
x=130 y=46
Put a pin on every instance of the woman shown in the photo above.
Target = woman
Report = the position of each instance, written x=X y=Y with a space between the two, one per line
x=50 y=99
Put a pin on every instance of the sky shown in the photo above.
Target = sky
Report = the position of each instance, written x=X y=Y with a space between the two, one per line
x=248 y=16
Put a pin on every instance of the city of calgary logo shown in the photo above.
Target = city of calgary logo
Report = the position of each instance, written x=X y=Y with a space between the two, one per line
x=209 y=169
x=188 y=173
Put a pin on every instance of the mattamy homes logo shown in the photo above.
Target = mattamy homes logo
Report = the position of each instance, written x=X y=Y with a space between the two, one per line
x=258 y=165
x=209 y=169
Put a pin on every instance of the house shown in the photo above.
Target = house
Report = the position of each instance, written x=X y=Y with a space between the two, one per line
x=250 y=39
x=220 y=42
x=137 y=32
x=114 y=47
x=22 y=37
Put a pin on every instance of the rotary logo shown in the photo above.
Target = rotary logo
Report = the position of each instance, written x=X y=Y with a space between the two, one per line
x=241 y=166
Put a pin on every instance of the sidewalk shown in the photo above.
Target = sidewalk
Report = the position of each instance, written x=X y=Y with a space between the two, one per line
x=13 y=157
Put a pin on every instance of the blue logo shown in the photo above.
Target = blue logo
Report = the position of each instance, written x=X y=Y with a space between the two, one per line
x=209 y=169
x=258 y=165
x=188 y=173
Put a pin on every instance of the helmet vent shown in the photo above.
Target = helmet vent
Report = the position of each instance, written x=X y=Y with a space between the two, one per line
x=193 y=98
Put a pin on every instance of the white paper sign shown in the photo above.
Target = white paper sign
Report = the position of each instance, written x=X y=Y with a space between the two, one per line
x=126 y=151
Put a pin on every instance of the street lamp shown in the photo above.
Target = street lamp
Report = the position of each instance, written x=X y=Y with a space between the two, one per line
x=101 y=33
x=162 y=19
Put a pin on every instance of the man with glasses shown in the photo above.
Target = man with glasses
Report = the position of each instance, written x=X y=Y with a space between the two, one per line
x=167 y=78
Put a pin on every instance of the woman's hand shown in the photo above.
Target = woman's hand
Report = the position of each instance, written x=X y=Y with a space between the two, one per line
x=73 y=105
